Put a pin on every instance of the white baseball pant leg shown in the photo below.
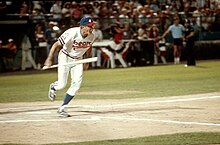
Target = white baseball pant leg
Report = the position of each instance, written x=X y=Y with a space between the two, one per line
x=122 y=61
x=76 y=73
x=26 y=55
x=111 y=57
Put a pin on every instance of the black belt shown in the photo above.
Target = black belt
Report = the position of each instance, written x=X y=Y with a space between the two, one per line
x=73 y=57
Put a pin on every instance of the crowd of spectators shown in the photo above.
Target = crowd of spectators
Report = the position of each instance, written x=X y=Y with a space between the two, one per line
x=132 y=14
x=136 y=12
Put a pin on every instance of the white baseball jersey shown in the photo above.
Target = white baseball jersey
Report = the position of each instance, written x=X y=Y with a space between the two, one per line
x=74 y=47
x=74 y=44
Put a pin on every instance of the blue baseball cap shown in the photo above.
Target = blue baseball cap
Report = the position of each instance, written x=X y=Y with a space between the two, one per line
x=87 y=21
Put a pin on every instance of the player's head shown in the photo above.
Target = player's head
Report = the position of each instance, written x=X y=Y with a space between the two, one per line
x=87 y=26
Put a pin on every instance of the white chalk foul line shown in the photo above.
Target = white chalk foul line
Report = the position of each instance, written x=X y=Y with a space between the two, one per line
x=100 y=118
x=164 y=121
x=116 y=105
x=149 y=102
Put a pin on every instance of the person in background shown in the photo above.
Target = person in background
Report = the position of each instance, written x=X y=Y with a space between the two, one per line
x=162 y=50
x=96 y=52
x=114 y=49
x=66 y=14
x=26 y=53
x=176 y=30
x=41 y=48
x=190 y=41
x=2 y=65
x=8 y=53
x=51 y=34
x=56 y=10
x=153 y=34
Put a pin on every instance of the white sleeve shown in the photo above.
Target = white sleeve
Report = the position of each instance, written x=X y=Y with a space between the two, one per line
x=66 y=36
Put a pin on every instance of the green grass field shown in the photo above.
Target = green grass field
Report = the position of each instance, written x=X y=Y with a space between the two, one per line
x=177 y=139
x=149 y=81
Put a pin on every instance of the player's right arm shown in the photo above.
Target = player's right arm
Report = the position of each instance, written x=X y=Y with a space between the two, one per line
x=62 y=40
x=55 y=46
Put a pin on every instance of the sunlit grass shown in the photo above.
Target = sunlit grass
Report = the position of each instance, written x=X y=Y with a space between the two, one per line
x=149 y=81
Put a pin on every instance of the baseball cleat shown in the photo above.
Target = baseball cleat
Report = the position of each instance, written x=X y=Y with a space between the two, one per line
x=52 y=92
x=63 y=113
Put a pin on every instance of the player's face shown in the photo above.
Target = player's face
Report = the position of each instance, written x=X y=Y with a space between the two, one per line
x=86 y=30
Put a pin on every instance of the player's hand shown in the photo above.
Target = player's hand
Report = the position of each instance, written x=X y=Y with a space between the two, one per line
x=48 y=62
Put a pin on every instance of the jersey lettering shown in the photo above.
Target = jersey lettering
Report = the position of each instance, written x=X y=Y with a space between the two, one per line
x=80 y=44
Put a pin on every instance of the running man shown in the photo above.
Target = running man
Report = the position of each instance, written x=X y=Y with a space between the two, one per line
x=74 y=43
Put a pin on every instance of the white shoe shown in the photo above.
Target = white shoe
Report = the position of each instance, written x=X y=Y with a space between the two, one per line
x=63 y=113
x=52 y=92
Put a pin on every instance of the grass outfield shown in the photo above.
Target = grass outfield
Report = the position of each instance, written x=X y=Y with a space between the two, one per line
x=176 y=139
x=135 y=82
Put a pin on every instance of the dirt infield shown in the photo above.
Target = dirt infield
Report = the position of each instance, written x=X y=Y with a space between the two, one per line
x=38 y=123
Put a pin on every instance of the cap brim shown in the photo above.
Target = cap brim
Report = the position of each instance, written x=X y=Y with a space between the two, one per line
x=91 y=24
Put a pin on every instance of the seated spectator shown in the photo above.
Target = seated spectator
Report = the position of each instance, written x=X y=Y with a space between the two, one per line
x=23 y=11
x=127 y=31
x=142 y=32
x=66 y=14
x=76 y=13
x=7 y=53
x=56 y=10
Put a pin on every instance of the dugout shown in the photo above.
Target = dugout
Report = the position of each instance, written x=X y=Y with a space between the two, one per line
x=15 y=29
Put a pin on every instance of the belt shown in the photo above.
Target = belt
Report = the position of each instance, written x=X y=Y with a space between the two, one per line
x=73 y=57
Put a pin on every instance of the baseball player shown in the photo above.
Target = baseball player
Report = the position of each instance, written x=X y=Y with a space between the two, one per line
x=74 y=43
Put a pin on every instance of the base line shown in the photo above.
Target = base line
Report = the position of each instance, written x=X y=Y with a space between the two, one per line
x=101 y=118
x=148 y=102
x=115 y=105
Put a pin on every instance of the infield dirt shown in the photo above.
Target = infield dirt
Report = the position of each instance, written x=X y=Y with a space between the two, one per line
x=91 y=120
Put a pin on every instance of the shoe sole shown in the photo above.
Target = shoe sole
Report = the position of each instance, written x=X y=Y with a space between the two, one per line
x=64 y=115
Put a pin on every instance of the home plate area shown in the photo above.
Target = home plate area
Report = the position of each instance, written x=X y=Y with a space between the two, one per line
x=159 y=110
x=109 y=119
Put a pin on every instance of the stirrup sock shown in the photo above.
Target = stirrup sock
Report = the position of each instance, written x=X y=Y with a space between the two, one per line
x=67 y=99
